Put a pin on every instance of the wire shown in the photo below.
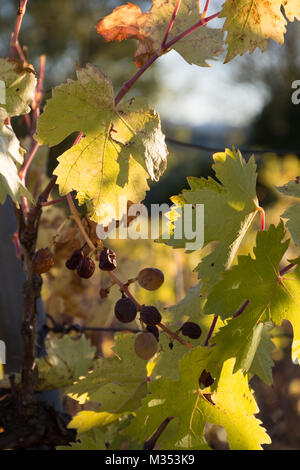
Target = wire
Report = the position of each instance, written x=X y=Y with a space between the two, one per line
x=206 y=148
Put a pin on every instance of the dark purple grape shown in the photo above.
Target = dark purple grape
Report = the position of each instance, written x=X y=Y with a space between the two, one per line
x=150 y=315
x=206 y=379
x=42 y=261
x=190 y=329
x=74 y=260
x=108 y=260
x=86 y=268
x=125 y=310
x=154 y=330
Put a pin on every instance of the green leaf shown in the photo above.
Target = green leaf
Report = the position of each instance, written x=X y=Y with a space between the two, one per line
x=121 y=147
x=91 y=440
x=292 y=213
x=117 y=383
x=231 y=405
x=19 y=90
x=271 y=296
x=67 y=359
x=262 y=362
x=245 y=339
x=251 y=24
x=229 y=208
x=11 y=158
x=86 y=420
x=127 y=21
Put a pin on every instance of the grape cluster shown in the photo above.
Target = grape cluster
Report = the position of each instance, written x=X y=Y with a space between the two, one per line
x=84 y=265
x=126 y=310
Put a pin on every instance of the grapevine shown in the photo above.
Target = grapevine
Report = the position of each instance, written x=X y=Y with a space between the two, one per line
x=172 y=369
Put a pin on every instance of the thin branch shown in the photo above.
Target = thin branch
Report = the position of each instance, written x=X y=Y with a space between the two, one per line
x=15 y=34
x=150 y=443
x=204 y=13
x=56 y=201
x=241 y=309
x=190 y=30
x=221 y=149
x=128 y=85
x=262 y=218
x=286 y=269
x=176 y=8
x=77 y=219
x=211 y=330
x=26 y=165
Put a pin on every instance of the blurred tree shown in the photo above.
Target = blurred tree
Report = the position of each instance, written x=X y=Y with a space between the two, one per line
x=277 y=125
x=64 y=31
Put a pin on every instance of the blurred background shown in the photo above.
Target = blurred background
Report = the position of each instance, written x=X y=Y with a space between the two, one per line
x=246 y=103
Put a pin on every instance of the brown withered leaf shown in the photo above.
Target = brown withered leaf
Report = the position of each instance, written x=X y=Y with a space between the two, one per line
x=128 y=21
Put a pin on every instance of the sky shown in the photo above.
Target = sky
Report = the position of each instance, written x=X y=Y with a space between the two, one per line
x=202 y=95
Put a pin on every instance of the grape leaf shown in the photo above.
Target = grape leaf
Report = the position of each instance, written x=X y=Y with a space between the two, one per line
x=11 y=158
x=245 y=339
x=231 y=405
x=229 y=209
x=262 y=362
x=86 y=420
x=94 y=439
x=292 y=213
x=117 y=383
x=121 y=148
x=127 y=21
x=67 y=359
x=20 y=86
x=251 y=24
x=291 y=9
x=272 y=296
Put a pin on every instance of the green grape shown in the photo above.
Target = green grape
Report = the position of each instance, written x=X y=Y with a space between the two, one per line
x=150 y=278
x=145 y=345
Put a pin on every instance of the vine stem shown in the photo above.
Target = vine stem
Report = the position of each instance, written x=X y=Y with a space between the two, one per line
x=241 y=309
x=15 y=35
x=211 y=330
x=262 y=218
x=113 y=276
x=205 y=9
x=77 y=219
x=164 y=47
x=56 y=201
x=26 y=165
x=176 y=8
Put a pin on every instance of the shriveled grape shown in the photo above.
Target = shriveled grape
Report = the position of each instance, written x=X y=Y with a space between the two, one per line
x=150 y=278
x=108 y=260
x=42 y=261
x=145 y=345
x=150 y=315
x=74 y=260
x=86 y=268
x=125 y=310
x=153 y=330
x=190 y=329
